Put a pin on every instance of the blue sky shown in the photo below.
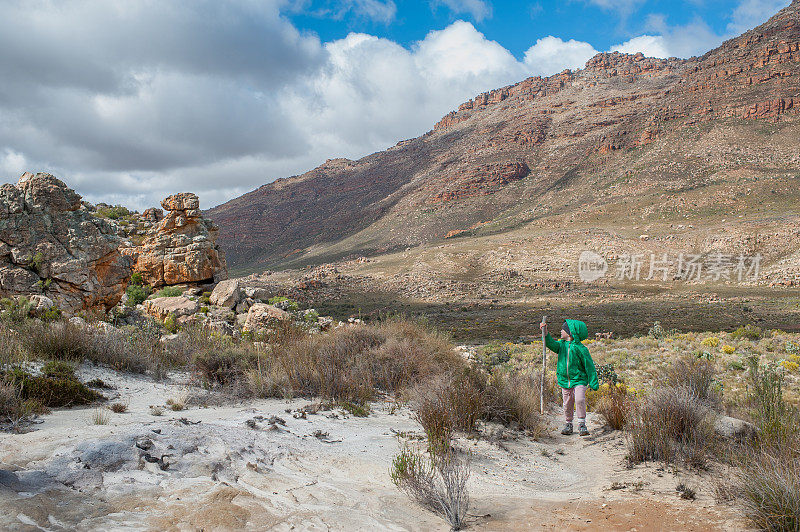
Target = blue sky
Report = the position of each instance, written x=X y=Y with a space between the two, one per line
x=131 y=100
x=517 y=24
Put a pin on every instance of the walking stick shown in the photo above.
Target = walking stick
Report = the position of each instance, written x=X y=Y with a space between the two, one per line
x=544 y=368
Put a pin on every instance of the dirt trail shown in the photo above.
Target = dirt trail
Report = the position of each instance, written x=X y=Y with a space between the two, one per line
x=329 y=471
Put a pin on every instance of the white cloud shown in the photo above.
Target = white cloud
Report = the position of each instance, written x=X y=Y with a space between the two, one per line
x=752 y=13
x=663 y=40
x=551 y=54
x=477 y=9
x=649 y=45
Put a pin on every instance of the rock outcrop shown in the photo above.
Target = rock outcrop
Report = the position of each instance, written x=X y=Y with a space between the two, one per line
x=51 y=245
x=179 y=247
x=178 y=307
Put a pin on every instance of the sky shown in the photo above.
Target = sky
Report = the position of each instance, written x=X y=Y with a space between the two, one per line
x=129 y=101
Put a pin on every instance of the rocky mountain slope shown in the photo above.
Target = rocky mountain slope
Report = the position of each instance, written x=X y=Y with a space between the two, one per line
x=625 y=146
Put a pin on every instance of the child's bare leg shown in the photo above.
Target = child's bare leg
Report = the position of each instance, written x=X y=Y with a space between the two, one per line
x=568 y=396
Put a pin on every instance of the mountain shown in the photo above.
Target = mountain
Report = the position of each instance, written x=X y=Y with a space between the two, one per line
x=626 y=145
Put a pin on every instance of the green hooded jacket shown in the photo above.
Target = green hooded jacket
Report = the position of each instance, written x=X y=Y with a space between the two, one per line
x=575 y=365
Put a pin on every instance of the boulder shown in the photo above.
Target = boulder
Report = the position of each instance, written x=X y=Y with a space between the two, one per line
x=244 y=305
x=179 y=247
x=178 y=307
x=226 y=294
x=261 y=316
x=733 y=428
x=51 y=246
x=41 y=304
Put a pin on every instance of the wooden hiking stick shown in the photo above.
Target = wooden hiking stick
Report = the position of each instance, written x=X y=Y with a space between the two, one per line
x=544 y=367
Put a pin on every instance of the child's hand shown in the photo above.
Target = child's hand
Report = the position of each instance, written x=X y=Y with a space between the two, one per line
x=543 y=326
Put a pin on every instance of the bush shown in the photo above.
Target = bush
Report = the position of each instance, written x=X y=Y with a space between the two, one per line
x=776 y=420
x=170 y=291
x=136 y=294
x=136 y=279
x=49 y=391
x=113 y=213
x=445 y=404
x=513 y=398
x=59 y=369
x=438 y=483
x=770 y=492
x=171 y=324
x=711 y=341
x=615 y=403
x=671 y=424
x=16 y=310
x=748 y=332
x=698 y=374
x=284 y=302
x=55 y=341
x=222 y=367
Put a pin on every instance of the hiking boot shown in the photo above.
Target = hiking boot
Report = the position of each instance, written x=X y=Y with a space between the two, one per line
x=567 y=430
x=582 y=430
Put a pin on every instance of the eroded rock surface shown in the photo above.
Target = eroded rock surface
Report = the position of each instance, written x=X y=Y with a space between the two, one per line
x=51 y=245
x=179 y=247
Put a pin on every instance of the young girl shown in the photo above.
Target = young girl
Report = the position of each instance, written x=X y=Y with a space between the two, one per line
x=574 y=371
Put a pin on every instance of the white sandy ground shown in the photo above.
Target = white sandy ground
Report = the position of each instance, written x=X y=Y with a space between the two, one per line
x=69 y=474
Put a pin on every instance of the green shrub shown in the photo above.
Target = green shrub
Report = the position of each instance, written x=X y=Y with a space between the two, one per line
x=49 y=391
x=355 y=409
x=16 y=310
x=171 y=324
x=113 y=213
x=59 y=369
x=775 y=419
x=292 y=305
x=36 y=262
x=748 y=332
x=52 y=314
x=136 y=279
x=136 y=294
x=170 y=291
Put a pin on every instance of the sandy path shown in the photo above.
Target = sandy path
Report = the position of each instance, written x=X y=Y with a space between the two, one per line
x=221 y=474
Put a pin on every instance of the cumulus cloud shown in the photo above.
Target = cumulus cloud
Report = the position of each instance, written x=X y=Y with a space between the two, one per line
x=551 y=54
x=477 y=9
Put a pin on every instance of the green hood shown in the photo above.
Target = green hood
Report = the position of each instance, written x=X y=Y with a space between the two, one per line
x=578 y=330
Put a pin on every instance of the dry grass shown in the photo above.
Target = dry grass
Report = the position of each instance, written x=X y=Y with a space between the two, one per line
x=769 y=488
x=118 y=408
x=352 y=364
x=672 y=424
x=99 y=417
x=513 y=398
x=615 y=403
